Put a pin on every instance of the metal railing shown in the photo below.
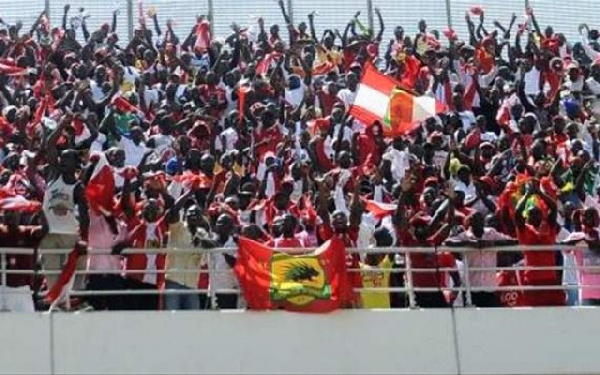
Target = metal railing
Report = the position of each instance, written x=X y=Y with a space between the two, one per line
x=408 y=270
x=331 y=14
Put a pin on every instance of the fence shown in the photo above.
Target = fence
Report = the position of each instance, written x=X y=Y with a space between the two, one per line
x=332 y=14
x=409 y=289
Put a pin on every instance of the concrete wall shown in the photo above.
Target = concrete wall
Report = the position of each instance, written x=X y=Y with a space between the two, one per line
x=467 y=341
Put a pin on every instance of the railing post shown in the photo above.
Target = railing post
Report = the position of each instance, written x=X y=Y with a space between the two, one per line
x=412 y=300
x=130 y=19
x=47 y=9
x=211 y=288
x=3 y=288
x=469 y=298
x=290 y=10
x=370 y=14
x=449 y=13
x=211 y=16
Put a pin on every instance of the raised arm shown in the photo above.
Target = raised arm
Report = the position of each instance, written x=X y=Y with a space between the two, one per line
x=379 y=36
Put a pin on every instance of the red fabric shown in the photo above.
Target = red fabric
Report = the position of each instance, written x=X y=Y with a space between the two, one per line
x=427 y=279
x=510 y=298
x=202 y=37
x=287 y=243
x=100 y=190
x=139 y=262
x=260 y=281
x=321 y=155
x=379 y=210
x=531 y=236
x=66 y=274
x=270 y=138
x=412 y=65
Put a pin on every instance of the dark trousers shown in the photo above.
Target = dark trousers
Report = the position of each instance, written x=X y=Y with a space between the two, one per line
x=141 y=301
x=430 y=299
x=485 y=299
x=106 y=282
x=226 y=301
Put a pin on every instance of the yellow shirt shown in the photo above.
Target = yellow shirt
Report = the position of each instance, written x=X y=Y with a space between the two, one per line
x=324 y=55
x=376 y=279
x=181 y=238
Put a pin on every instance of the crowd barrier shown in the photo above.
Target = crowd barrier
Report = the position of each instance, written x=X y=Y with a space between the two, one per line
x=460 y=341
x=408 y=271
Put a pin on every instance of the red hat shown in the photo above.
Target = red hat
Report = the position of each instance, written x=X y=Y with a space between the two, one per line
x=476 y=10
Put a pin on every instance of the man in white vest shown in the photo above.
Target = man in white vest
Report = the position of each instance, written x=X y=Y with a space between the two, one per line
x=65 y=206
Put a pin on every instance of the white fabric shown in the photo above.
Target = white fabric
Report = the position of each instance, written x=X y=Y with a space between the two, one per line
x=133 y=153
x=59 y=207
x=348 y=97
x=101 y=238
x=221 y=276
x=532 y=81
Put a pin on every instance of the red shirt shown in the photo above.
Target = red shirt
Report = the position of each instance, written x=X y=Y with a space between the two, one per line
x=287 y=243
x=510 y=298
x=154 y=261
x=271 y=138
x=530 y=236
x=427 y=261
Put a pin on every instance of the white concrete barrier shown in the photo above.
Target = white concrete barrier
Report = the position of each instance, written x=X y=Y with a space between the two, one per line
x=465 y=341
x=25 y=341
x=529 y=341
x=346 y=342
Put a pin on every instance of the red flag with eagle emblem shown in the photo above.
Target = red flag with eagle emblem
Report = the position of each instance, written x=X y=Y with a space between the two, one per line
x=309 y=282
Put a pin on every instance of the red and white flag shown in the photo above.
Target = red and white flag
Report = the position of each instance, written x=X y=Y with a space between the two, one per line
x=380 y=210
x=19 y=203
x=373 y=96
x=100 y=190
x=407 y=111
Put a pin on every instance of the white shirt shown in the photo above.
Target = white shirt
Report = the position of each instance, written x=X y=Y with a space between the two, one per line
x=59 y=207
x=481 y=258
x=221 y=276
x=532 y=81
x=347 y=97
x=469 y=190
x=133 y=153
x=230 y=136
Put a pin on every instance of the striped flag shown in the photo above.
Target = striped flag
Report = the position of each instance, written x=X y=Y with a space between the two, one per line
x=379 y=99
x=406 y=111
x=373 y=96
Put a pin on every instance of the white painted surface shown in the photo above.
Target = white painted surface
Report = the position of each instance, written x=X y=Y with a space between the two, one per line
x=529 y=341
x=520 y=341
x=25 y=343
x=358 y=342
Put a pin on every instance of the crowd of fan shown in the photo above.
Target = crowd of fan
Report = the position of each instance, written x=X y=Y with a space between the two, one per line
x=168 y=143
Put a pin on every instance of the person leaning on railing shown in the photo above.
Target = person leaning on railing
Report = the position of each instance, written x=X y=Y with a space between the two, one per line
x=482 y=238
x=587 y=260
x=427 y=267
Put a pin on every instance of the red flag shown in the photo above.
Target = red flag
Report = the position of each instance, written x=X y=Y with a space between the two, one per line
x=12 y=70
x=373 y=96
x=380 y=210
x=18 y=203
x=202 y=37
x=311 y=282
x=100 y=191
x=67 y=273
x=123 y=105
